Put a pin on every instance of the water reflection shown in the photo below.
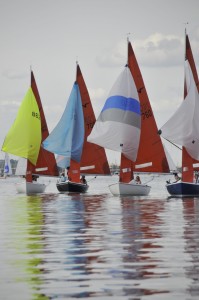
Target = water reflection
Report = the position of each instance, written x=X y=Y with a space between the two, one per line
x=140 y=220
x=59 y=246
x=191 y=236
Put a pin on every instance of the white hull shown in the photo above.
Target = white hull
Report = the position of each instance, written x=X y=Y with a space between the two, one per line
x=130 y=189
x=30 y=188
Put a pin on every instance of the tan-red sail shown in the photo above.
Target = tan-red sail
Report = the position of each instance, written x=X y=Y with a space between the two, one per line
x=46 y=163
x=187 y=160
x=93 y=160
x=151 y=155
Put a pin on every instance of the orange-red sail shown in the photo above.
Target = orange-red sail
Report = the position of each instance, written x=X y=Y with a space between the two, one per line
x=46 y=163
x=151 y=155
x=187 y=160
x=93 y=160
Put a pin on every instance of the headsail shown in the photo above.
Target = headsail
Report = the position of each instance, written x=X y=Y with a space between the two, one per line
x=62 y=139
x=183 y=127
x=24 y=137
x=118 y=125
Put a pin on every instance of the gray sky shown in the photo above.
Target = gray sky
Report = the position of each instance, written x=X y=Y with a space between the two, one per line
x=51 y=35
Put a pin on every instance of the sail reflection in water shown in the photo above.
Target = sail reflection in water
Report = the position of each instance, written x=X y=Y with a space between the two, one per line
x=58 y=246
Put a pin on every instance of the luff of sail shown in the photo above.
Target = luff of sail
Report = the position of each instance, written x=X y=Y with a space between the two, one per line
x=24 y=137
x=183 y=128
x=62 y=139
x=118 y=125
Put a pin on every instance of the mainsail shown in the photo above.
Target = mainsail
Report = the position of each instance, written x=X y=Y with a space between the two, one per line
x=46 y=163
x=151 y=154
x=93 y=160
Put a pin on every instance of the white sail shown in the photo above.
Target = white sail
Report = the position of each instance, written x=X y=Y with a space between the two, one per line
x=118 y=125
x=172 y=166
x=21 y=167
x=183 y=127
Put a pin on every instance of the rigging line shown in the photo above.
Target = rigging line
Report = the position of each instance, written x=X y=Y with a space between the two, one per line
x=173 y=144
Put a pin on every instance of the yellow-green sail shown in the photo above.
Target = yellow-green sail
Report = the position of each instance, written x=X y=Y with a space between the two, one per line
x=24 y=137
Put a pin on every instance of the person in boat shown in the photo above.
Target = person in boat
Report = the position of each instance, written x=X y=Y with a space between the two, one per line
x=68 y=173
x=138 y=180
x=196 y=177
x=176 y=177
x=34 y=177
x=83 y=179
x=62 y=177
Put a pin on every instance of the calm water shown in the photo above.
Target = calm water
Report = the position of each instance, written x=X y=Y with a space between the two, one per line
x=97 y=246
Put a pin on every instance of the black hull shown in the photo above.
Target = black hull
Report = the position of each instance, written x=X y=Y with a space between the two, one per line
x=183 y=189
x=72 y=187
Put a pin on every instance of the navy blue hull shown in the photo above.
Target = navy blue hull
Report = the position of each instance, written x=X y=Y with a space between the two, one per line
x=183 y=189
x=72 y=187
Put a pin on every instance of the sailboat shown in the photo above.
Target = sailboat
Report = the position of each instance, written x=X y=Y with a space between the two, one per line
x=7 y=166
x=69 y=140
x=24 y=140
x=126 y=124
x=183 y=129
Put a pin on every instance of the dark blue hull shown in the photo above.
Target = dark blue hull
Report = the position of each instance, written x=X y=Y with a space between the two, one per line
x=183 y=189
x=72 y=187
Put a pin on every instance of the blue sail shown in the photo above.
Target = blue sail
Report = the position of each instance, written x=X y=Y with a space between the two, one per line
x=67 y=137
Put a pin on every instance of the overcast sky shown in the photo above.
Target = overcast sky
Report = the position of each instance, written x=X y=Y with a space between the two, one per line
x=51 y=35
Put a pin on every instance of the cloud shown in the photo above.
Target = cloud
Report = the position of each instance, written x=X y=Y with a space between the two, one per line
x=157 y=50
x=12 y=75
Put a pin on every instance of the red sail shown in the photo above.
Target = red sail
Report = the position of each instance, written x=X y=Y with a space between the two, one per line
x=151 y=155
x=46 y=164
x=187 y=160
x=93 y=160
x=151 y=151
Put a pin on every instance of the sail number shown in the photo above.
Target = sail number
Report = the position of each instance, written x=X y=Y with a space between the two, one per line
x=90 y=125
x=146 y=111
x=36 y=115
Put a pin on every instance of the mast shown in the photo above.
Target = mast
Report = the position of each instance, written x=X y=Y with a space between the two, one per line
x=187 y=160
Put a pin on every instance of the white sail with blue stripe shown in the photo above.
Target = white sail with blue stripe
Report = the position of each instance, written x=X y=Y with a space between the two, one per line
x=119 y=123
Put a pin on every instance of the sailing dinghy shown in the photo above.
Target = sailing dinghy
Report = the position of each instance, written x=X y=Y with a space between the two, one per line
x=127 y=124
x=69 y=141
x=183 y=129
x=24 y=140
